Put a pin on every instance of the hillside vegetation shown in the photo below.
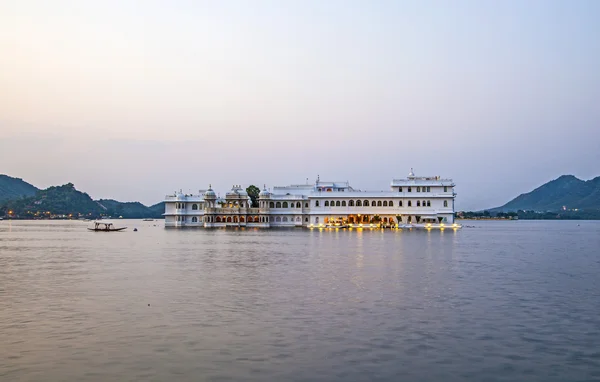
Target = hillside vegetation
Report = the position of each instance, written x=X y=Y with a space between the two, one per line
x=14 y=188
x=566 y=193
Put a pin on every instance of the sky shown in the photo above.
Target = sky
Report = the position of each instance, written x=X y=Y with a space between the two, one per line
x=132 y=100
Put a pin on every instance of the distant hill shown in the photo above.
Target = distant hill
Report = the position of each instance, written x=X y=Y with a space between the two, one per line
x=26 y=201
x=58 y=200
x=131 y=210
x=15 y=188
x=565 y=191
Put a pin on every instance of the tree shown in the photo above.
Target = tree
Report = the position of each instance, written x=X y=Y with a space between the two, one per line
x=253 y=192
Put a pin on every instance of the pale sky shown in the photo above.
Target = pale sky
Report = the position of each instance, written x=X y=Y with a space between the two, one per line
x=132 y=100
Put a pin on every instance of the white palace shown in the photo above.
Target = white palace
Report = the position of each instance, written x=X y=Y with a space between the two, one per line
x=412 y=202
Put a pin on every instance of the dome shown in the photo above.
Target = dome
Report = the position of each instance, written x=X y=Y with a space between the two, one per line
x=236 y=192
x=264 y=193
x=210 y=193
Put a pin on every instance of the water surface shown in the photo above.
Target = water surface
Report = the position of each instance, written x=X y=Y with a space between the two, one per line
x=495 y=301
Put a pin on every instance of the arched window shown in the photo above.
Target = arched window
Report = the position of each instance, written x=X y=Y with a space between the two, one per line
x=337 y=203
x=285 y=219
x=327 y=203
x=218 y=219
x=409 y=203
x=429 y=203
x=298 y=205
x=385 y=203
x=316 y=203
x=298 y=218
x=358 y=203
x=194 y=219
x=391 y=203
x=424 y=203
x=278 y=219
x=418 y=189
x=228 y=219
x=285 y=204
x=272 y=205
x=235 y=219
x=445 y=203
x=305 y=205
x=379 y=203
x=418 y=203
x=399 y=203
x=194 y=206
x=343 y=203
x=366 y=203
x=306 y=220
x=250 y=220
x=278 y=205
x=350 y=203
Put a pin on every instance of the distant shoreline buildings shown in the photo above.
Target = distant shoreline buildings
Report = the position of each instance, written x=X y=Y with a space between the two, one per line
x=413 y=201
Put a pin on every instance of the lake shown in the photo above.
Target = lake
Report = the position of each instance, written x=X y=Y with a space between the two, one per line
x=495 y=301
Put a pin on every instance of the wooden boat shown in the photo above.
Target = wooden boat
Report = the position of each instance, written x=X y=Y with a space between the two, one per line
x=105 y=227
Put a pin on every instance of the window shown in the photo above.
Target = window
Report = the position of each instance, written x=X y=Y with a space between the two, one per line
x=327 y=203
x=445 y=188
x=194 y=219
x=332 y=203
x=429 y=203
x=385 y=203
x=316 y=203
x=343 y=203
x=305 y=205
x=428 y=189
x=418 y=203
x=285 y=204
x=379 y=203
x=272 y=205
x=298 y=219
x=337 y=203
x=445 y=203
x=298 y=205
x=400 y=203
x=399 y=189
x=409 y=203
x=391 y=203
x=358 y=203
x=351 y=203
x=278 y=219
x=278 y=205
x=285 y=219
x=306 y=220
x=418 y=189
x=366 y=203
x=409 y=189
x=424 y=204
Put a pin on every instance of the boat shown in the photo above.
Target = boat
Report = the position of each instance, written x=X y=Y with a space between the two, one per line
x=148 y=220
x=101 y=226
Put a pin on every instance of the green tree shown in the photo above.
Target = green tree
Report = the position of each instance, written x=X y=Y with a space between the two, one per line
x=253 y=192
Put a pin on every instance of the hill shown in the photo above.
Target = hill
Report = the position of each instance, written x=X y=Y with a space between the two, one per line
x=66 y=201
x=53 y=201
x=132 y=210
x=563 y=193
x=15 y=188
